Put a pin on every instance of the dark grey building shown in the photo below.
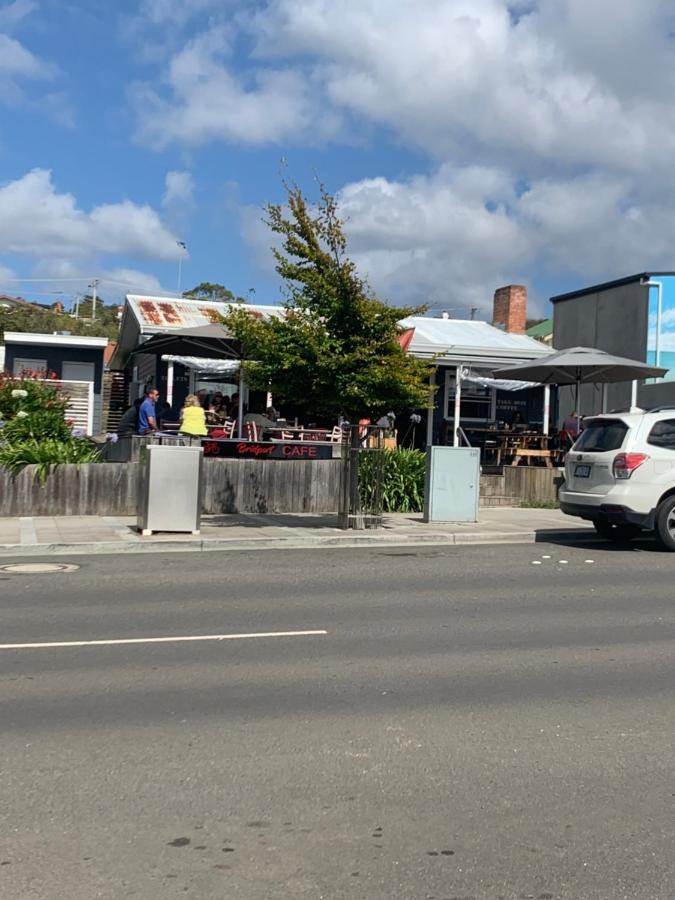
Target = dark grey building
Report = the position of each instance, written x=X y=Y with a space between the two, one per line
x=632 y=317
x=73 y=359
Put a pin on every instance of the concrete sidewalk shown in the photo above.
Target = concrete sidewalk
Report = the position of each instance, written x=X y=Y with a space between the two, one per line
x=93 y=534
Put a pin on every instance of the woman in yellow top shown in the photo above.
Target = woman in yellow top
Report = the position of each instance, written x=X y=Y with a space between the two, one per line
x=192 y=418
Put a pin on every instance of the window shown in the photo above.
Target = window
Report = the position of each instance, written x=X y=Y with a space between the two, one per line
x=663 y=434
x=33 y=365
x=603 y=435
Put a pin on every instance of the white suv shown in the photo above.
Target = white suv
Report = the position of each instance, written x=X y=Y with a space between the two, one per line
x=620 y=474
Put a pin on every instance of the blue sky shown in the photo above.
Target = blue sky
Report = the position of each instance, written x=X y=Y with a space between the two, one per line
x=472 y=143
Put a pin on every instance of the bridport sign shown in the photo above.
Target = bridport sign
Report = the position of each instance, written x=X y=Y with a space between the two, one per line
x=233 y=449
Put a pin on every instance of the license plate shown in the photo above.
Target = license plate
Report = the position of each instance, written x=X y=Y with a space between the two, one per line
x=582 y=471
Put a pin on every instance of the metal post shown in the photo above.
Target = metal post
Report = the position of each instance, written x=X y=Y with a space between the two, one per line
x=604 y=398
x=183 y=247
x=93 y=287
x=430 y=410
x=240 y=414
x=458 y=401
x=633 y=394
x=547 y=408
x=169 y=383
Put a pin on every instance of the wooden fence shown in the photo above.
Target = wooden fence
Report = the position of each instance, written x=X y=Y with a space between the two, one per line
x=229 y=486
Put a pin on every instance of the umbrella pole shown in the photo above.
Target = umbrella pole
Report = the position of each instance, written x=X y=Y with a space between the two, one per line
x=240 y=414
x=576 y=404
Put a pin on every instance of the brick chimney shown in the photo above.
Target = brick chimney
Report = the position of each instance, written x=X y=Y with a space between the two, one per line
x=510 y=308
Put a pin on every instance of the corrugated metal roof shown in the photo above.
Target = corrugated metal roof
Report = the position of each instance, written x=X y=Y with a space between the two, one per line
x=459 y=340
x=162 y=314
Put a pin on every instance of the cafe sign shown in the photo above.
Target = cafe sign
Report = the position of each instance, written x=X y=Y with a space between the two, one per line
x=228 y=449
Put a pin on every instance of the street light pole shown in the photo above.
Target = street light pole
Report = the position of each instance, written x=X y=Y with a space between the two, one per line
x=93 y=287
x=183 y=246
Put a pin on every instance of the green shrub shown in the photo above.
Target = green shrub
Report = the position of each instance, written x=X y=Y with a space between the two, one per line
x=46 y=453
x=34 y=429
x=402 y=474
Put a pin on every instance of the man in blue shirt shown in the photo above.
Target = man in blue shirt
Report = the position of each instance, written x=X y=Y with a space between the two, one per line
x=147 y=416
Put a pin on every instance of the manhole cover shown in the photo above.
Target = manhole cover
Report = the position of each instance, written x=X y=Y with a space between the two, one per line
x=37 y=568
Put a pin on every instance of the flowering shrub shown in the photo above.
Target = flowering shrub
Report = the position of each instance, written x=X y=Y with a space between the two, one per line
x=34 y=429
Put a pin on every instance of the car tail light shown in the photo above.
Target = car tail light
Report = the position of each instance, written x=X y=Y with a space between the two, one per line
x=626 y=463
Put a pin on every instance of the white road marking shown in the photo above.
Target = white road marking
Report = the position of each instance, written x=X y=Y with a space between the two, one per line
x=536 y=562
x=160 y=640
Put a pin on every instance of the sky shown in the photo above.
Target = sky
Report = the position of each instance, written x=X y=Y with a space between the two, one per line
x=470 y=143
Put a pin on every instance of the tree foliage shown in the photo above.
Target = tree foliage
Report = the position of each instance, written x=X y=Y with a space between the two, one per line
x=214 y=292
x=336 y=351
x=41 y=320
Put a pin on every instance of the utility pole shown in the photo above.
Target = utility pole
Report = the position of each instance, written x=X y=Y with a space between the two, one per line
x=93 y=287
x=183 y=246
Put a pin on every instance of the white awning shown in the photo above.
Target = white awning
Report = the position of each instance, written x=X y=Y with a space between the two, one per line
x=213 y=366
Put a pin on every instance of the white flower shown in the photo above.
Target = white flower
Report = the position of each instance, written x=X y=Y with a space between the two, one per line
x=19 y=394
x=22 y=414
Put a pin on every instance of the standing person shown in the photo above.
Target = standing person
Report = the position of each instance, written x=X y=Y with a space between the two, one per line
x=572 y=424
x=147 y=413
x=193 y=418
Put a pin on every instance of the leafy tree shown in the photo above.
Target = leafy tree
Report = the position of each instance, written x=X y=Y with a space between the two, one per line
x=215 y=292
x=336 y=350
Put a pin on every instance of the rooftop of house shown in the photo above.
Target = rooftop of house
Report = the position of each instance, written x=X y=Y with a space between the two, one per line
x=541 y=329
x=608 y=285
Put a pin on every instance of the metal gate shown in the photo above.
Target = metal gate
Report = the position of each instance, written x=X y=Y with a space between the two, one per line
x=362 y=475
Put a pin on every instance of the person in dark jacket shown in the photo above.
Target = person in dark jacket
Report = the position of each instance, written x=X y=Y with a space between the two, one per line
x=129 y=421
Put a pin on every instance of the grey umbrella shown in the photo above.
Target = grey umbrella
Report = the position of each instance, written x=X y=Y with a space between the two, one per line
x=207 y=341
x=580 y=365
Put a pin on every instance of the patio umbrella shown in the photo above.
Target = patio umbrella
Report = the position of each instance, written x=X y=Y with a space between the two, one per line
x=206 y=342
x=580 y=365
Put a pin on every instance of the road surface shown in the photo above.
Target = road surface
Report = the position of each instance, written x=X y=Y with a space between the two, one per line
x=470 y=725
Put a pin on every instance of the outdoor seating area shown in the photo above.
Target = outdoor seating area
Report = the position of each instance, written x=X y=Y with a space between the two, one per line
x=513 y=446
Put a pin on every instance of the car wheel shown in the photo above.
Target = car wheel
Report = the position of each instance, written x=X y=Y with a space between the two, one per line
x=617 y=533
x=665 y=523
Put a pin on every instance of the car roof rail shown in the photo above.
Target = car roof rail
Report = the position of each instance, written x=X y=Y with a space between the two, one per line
x=666 y=407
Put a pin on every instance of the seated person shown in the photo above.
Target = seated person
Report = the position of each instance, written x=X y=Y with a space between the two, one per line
x=192 y=418
x=129 y=422
x=147 y=412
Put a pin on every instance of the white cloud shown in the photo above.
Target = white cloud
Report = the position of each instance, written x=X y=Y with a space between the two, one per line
x=204 y=99
x=452 y=237
x=71 y=278
x=126 y=280
x=37 y=220
x=549 y=126
x=7 y=276
x=180 y=187
x=12 y=14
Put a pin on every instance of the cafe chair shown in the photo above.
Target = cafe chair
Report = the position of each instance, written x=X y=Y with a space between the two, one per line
x=335 y=436
x=251 y=431
x=229 y=428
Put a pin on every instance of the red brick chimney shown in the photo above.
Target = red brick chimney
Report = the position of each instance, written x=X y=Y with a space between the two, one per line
x=510 y=308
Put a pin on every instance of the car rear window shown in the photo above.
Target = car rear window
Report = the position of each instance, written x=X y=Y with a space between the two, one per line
x=599 y=436
x=663 y=434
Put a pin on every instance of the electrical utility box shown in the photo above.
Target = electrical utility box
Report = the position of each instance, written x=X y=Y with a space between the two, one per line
x=452 y=484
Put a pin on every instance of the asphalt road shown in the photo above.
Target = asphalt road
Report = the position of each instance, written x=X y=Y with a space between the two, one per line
x=470 y=726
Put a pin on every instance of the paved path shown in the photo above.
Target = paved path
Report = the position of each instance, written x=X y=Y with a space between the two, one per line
x=470 y=726
x=84 y=534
